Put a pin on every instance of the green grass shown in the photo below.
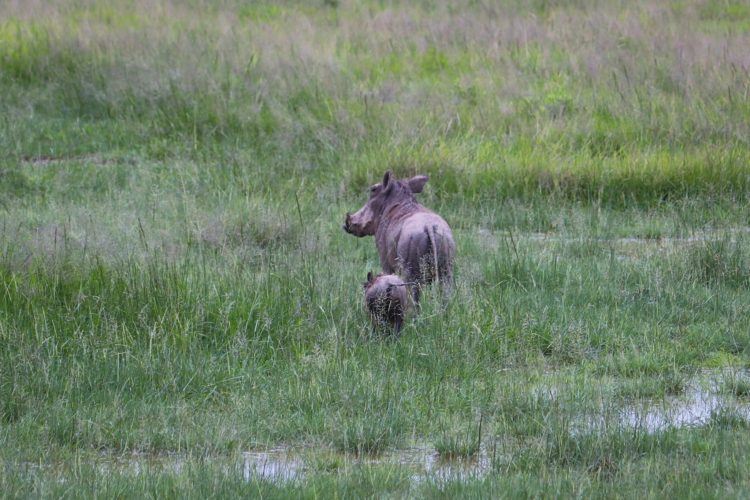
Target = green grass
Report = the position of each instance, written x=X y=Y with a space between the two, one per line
x=737 y=385
x=174 y=280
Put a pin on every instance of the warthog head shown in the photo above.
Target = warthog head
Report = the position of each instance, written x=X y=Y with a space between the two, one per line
x=364 y=222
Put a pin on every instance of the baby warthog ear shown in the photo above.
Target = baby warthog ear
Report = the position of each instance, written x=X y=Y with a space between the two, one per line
x=369 y=276
x=416 y=183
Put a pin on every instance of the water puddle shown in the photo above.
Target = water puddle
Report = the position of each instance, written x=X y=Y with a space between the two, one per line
x=283 y=465
x=703 y=400
x=425 y=463
x=275 y=465
x=706 y=397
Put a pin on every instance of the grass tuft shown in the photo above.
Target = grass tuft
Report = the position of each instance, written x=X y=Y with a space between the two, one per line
x=720 y=262
x=459 y=445
x=738 y=386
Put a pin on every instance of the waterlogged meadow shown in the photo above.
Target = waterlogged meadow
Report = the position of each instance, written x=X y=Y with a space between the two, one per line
x=181 y=312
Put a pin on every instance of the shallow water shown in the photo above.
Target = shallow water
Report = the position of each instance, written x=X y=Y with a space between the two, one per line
x=425 y=463
x=286 y=464
x=702 y=400
x=278 y=464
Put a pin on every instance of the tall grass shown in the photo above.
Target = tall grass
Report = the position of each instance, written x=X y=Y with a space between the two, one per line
x=174 y=279
x=601 y=102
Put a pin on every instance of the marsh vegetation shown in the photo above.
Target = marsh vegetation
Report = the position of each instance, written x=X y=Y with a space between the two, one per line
x=174 y=280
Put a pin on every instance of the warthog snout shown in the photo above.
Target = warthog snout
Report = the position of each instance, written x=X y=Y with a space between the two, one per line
x=347 y=222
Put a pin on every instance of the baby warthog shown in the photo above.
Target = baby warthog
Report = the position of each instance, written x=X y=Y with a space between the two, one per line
x=386 y=300
x=412 y=241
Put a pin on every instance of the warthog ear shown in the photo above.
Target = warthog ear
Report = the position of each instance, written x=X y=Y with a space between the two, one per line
x=369 y=276
x=387 y=179
x=416 y=183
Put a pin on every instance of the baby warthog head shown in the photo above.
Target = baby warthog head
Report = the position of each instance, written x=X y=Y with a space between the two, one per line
x=365 y=221
x=386 y=299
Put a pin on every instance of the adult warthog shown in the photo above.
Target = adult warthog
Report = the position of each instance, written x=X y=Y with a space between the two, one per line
x=411 y=240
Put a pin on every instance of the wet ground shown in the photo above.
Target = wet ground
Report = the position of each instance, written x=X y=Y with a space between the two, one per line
x=284 y=464
x=708 y=394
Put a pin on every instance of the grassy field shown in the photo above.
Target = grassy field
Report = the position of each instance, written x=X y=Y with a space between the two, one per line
x=175 y=284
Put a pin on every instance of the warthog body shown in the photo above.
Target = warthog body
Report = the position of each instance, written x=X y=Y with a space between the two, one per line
x=411 y=240
x=386 y=300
